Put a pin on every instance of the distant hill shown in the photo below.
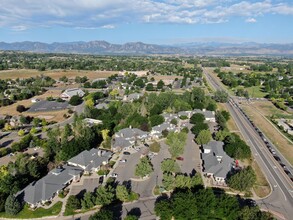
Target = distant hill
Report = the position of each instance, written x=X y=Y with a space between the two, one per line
x=139 y=48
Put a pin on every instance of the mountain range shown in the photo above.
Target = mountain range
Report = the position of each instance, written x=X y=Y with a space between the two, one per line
x=139 y=48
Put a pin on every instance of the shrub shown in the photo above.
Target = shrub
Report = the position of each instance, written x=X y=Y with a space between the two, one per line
x=155 y=147
x=20 y=108
x=75 y=100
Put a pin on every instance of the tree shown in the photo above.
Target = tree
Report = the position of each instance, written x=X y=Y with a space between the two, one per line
x=20 y=108
x=149 y=87
x=174 y=121
x=12 y=205
x=88 y=201
x=204 y=137
x=114 y=93
x=144 y=167
x=221 y=96
x=122 y=193
x=21 y=132
x=197 y=118
x=176 y=142
x=104 y=195
x=160 y=84
x=170 y=166
x=73 y=203
x=156 y=120
x=23 y=120
x=236 y=148
x=75 y=100
x=103 y=214
x=221 y=135
x=168 y=181
x=243 y=180
x=155 y=147
x=199 y=127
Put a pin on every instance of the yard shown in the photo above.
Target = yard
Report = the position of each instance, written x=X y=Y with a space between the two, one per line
x=38 y=213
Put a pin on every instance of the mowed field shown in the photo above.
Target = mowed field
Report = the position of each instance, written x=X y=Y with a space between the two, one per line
x=55 y=74
x=49 y=116
x=260 y=112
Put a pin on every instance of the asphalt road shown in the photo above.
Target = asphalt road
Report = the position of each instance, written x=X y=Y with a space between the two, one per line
x=280 y=200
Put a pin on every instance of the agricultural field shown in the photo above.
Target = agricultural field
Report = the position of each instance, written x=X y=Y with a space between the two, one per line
x=55 y=74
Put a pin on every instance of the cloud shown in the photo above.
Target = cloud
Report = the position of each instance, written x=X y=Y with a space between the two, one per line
x=108 y=26
x=250 y=20
x=19 y=28
x=93 y=14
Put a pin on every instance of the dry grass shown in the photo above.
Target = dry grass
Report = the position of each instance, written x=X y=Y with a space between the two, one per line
x=166 y=77
x=255 y=112
x=55 y=74
x=50 y=116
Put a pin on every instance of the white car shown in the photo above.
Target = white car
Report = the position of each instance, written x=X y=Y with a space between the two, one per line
x=123 y=161
x=115 y=175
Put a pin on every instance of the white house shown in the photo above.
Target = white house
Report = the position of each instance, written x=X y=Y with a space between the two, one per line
x=68 y=93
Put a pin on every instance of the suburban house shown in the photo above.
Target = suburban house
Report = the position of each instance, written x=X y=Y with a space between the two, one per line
x=68 y=93
x=209 y=115
x=169 y=117
x=91 y=121
x=157 y=131
x=92 y=160
x=101 y=106
x=132 y=97
x=215 y=162
x=127 y=137
x=39 y=192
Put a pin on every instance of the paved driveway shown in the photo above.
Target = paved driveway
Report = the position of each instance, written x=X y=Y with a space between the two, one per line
x=88 y=184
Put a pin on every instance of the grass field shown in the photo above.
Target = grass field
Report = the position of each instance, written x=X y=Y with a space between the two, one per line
x=38 y=213
x=50 y=116
x=55 y=74
x=258 y=111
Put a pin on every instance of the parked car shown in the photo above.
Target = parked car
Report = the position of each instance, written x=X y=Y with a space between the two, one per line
x=180 y=158
x=123 y=161
x=126 y=153
x=115 y=175
x=145 y=144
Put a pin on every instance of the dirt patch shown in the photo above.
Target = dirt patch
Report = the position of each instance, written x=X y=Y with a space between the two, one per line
x=166 y=77
x=256 y=111
x=55 y=74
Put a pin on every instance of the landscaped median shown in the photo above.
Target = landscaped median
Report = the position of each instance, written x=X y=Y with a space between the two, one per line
x=37 y=213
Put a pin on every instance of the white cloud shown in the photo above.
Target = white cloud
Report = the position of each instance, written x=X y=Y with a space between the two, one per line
x=250 y=20
x=93 y=14
x=108 y=26
x=19 y=28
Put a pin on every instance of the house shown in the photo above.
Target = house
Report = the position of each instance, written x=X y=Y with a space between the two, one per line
x=157 y=131
x=215 y=162
x=169 y=117
x=39 y=192
x=209 y=115
x=121 y=144
x=92 y=160
x=68 y=93
x=132 y=97
x=127 y=137
x=101 y=106
x=91 y=121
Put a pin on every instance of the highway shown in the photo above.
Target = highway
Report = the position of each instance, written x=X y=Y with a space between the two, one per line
x=280 y=201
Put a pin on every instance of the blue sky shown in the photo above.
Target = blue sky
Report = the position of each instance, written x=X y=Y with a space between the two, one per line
x=149 y=21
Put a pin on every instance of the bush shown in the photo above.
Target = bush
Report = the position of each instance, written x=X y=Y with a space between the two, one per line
x=103 y=172
x=20 y=108
x=155 y=147
x=12 y=205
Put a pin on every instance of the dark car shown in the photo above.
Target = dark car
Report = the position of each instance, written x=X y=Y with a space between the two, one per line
x=179 y=158
x=146 y=145
x=126 y=153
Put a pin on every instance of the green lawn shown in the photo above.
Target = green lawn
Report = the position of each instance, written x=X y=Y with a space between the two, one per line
x=254 y=91
x=38 y=213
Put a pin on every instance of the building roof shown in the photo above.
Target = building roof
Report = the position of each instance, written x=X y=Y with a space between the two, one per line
x=93 y=158
x=130 y=133
x=216 y=161
x=45 y=188
x=72 y=92
x=121 y=142
x=206 y=113
x=134 y=96
x=101 y=106
x=165 y=126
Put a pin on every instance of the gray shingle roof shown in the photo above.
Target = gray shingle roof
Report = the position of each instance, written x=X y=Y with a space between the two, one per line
x=121 y=142
x=74 y=91
x=217 y=161
x=130 y=132
x=93 y=158
x=45 y=188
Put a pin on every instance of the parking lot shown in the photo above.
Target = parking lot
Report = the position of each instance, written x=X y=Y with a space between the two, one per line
x=46 y=106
